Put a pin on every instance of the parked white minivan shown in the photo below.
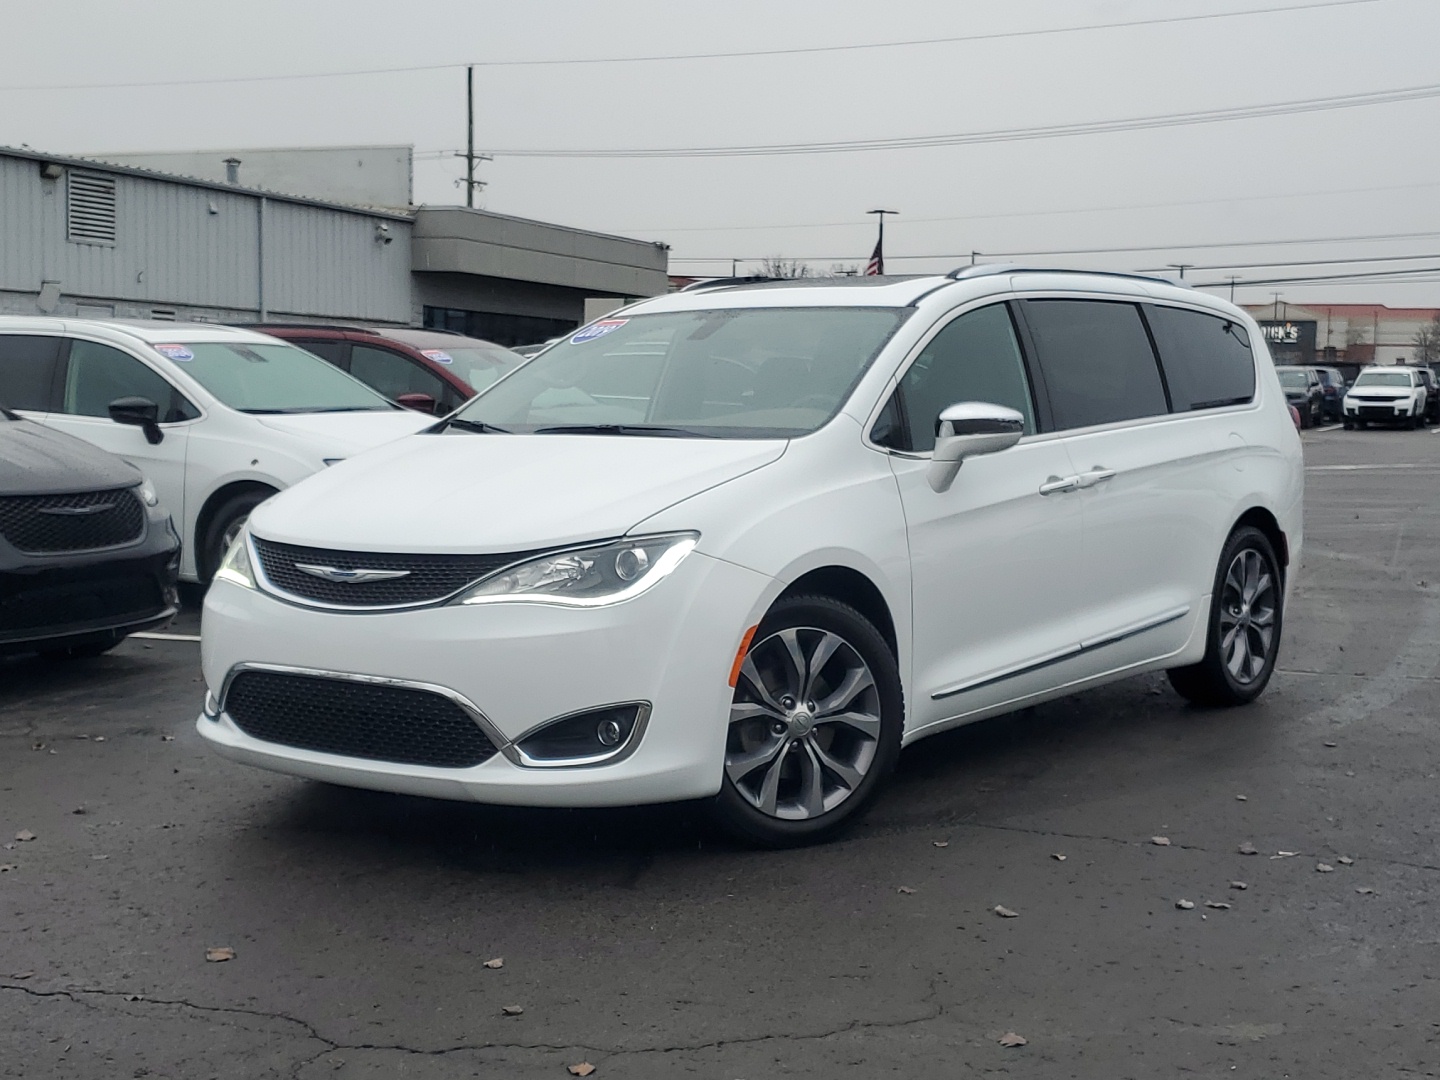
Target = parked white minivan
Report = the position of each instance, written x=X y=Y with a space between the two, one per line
x=217 y=419
x=744 y=542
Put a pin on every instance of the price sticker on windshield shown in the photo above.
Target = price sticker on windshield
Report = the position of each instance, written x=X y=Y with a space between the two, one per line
x=440 y=356
x=597 y=330
x=175 y=352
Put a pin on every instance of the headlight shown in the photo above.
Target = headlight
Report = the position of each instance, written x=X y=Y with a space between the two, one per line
x=588 y=577
x=146 y=491
x=235 y=566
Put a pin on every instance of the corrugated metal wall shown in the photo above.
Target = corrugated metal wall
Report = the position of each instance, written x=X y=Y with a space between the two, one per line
x=200 y=247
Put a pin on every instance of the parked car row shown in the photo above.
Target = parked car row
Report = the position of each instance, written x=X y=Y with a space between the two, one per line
x=740 y=543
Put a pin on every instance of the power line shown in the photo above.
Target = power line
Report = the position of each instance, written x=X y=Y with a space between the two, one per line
x=1132 y=250
x=1295 y=262
x=1377 y=274
x=999 y=135
x=668 y=57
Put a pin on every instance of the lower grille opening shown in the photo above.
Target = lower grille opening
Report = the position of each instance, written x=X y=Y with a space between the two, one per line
x=377 y=722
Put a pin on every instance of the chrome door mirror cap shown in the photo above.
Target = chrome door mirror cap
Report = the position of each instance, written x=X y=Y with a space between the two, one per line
x=967 y=430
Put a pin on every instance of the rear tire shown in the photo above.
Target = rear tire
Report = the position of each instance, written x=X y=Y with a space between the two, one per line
x=1243 y=638
x=814 y=728
x=224 y=525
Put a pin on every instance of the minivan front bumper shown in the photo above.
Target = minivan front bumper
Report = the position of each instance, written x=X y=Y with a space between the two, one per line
x=510 y=667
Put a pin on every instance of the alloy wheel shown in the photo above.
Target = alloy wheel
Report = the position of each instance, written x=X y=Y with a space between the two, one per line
x=1247 y=616
x=804 y=724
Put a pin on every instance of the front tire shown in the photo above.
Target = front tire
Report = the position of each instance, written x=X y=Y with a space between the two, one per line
x=1243 y=638
x=225 y=524
x=815 y=725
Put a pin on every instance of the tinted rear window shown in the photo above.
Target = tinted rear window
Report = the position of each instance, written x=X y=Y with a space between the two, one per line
x=1098 y=364
x=27 y=366
x=1207 y=359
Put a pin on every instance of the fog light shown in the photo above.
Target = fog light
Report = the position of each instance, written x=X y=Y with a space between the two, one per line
x=585 y=738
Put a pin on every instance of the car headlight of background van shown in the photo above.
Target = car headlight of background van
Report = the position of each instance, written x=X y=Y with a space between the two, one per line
x=589 y=576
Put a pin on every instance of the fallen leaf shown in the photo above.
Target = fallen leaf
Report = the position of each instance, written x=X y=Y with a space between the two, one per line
x=1332 y=745
x=219 y=954
x=22 y=975
x=1284 y=854
x=1005 y=913
x=1248 y=848
x=1365 y=890
x=1349 y=772
x=79 y=810
x=906 y=889
x=24 y=835
x=1184 y=905
x=1239 y=885
x=512 y=1010
x=167 y=738
x=1218 y=905
x=99 y=738
x=1324 y=868
x=584 y=1068
x=940 y=843
x=1160 y=841
x=498 y=962
x=5 y=868
x=1242 y=798
x=99 y=858
x=1345 y=860
x=1058 y=857
x=1011 y=1039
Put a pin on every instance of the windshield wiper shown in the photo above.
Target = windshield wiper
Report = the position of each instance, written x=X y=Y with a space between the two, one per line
x=623 y=429
x=477 y=426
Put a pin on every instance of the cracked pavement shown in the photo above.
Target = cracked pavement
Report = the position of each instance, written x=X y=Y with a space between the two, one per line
x=635 y=940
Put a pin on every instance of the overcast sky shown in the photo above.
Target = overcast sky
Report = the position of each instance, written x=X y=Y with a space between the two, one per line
x=1185 y=190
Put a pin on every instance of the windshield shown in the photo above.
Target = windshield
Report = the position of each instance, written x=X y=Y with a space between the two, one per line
x=1294 y=380
x=478 y=366
x=732 y=373
x=271 y=378
x=1383 y=378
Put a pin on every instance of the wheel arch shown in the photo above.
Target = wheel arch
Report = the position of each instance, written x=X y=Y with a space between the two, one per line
x=849 y=586
x=1260 y=518
x=217 y=499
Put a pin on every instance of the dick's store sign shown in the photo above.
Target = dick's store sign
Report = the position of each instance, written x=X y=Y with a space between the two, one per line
x=1292 y=339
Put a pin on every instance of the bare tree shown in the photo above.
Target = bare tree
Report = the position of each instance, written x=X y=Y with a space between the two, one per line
x=779 y=267
x=1427 y=343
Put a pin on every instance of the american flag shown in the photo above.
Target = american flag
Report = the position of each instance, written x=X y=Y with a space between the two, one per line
x=876 y=265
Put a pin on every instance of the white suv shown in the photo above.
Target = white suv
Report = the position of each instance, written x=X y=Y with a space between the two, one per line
x=744 y=542
x=1386 y=395
x=217 y=419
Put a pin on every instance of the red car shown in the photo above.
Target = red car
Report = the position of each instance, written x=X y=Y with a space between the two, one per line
x=427 y=370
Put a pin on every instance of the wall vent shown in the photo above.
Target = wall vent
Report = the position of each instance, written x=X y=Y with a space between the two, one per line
x=163 y=314
x=90 y=209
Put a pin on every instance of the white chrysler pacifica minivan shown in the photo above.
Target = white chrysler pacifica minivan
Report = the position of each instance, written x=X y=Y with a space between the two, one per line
x=746 y=541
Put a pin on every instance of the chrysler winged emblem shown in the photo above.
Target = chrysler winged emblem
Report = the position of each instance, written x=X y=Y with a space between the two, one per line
x=77 y=511
x=349 y=577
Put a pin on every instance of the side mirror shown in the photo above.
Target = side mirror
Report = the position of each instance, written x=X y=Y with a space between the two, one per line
x=141 y=412
x=418 y=402
x=967 y=430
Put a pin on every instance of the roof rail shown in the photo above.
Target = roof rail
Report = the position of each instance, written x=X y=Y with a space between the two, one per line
x=309 y=326
x=725 y=282
x=964 y=273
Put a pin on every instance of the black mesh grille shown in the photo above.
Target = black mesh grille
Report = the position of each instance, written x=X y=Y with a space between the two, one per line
x=52 y=524
x=428 y=577
x=57 y=606
x=356 y=719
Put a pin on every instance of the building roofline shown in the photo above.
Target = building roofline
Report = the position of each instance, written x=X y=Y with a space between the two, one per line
x=94 y=165
x=541 y=224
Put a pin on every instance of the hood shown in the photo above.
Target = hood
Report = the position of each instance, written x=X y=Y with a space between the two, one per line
x=491 y=493
x=1384 y=392
x=338 y=434
x=36 y=460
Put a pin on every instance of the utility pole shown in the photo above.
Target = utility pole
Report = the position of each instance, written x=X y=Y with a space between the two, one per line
x=973 y=256
x=1182 y=267
x=470 y=183
x=1275 y=308
x=1232 y=278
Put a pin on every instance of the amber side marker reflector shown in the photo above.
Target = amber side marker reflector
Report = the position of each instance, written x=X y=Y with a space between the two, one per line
x=740 y=655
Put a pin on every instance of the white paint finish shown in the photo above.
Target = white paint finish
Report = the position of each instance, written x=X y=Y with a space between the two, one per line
x=1015 y=596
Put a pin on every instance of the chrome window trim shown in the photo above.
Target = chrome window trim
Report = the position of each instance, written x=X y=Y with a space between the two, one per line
x=620 y=753
x=503 y=746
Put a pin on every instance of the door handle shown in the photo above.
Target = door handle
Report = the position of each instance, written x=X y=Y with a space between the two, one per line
x=1095 y=476
x=1056 y=484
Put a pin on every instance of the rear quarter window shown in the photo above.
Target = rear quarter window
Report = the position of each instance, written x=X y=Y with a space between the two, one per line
x=1207 y=359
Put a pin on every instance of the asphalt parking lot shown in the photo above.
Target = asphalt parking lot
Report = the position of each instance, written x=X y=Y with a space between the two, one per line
x=637 y=942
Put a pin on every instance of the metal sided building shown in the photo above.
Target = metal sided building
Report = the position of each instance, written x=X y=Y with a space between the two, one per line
x=83 y=238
